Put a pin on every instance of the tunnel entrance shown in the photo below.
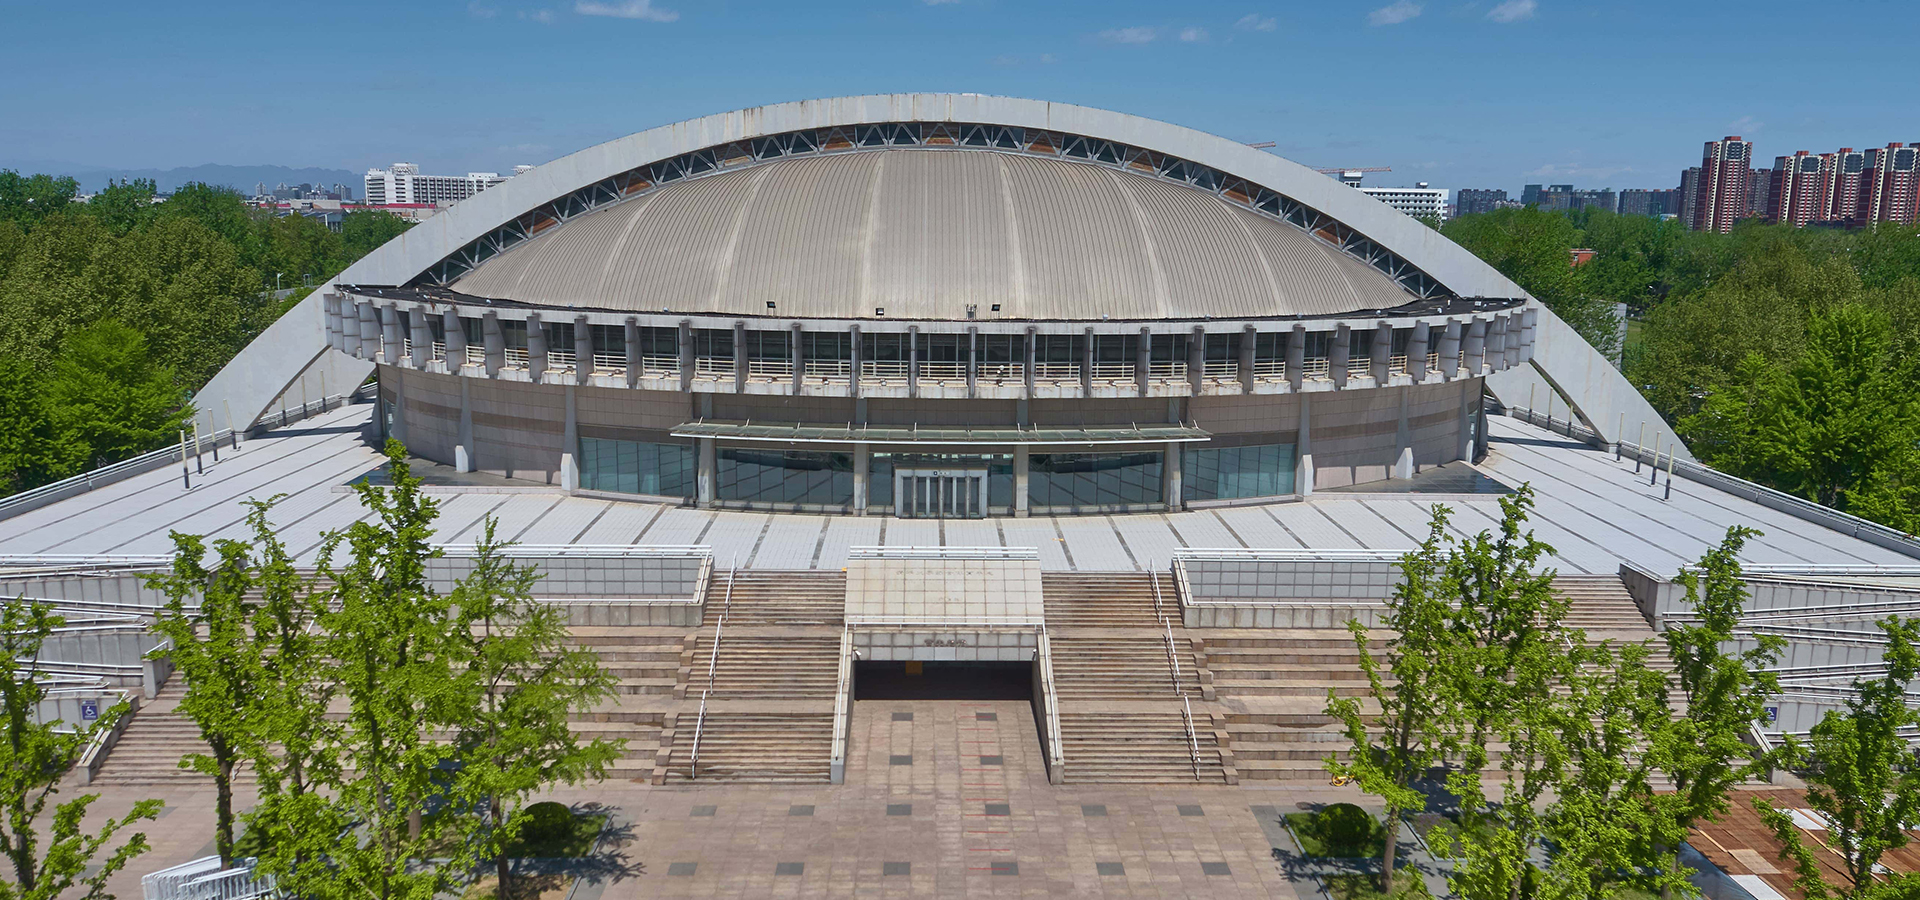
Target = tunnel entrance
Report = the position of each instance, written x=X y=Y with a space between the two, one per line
x=967 y=680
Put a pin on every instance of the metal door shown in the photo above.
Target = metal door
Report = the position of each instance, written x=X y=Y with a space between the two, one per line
x=940 y=493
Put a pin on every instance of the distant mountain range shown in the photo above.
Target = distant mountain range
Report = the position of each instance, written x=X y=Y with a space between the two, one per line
x=240 y=178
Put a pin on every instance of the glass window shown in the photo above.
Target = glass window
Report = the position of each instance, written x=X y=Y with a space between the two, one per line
x=1319 y=344
x=784 y=476
x=999 y=475
x=661 y=342
x=1116 y=348
x=713 y=343
x=1270 y=345
x=1059 y=348
x=1223 y=347
x=631 y=467
x=1169 y=348
x=1359 y=349
x=885 y=347
x=1003 y=348
x=768 y=344
x=610 y=340
x=1231 y=473
x=559 y=336
x=514 y=332
x=476 y=331
x=1067 y=481
x=943 y=347
x=826 y=345
x=437 y=326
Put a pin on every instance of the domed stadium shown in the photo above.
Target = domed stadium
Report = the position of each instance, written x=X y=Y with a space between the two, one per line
x=956 y=315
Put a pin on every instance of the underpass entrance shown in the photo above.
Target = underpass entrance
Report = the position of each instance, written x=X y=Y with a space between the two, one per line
x=961 y=680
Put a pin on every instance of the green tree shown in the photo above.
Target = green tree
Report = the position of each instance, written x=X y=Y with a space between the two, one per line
x=34 y=757
x=30 y=453
x=206 y=623
x=1532 y=247
x=526 y=675
x=109 y=399
x=363 y=231
x=26 y=199
x=1862 y=778
x=124 y=205
x=1409 y=685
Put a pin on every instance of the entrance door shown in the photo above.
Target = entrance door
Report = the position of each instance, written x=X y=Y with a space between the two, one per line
x=940 y=493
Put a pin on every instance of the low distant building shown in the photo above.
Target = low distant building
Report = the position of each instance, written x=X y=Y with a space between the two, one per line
x=1468 y=201
x=1421 y=201
x=402 y=183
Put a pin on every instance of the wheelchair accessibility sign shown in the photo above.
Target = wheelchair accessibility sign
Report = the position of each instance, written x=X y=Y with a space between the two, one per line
x=89 y=710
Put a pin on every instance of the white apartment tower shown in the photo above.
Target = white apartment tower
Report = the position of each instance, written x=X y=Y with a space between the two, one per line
x=403 y=183
x=1419 y=201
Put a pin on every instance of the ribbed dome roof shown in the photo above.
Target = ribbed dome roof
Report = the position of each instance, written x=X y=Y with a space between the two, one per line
x=924 y=233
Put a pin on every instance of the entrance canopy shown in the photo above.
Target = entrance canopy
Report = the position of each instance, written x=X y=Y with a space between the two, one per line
x=786 y=433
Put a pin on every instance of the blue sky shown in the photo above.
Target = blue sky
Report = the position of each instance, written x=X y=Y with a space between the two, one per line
x=1491 y=93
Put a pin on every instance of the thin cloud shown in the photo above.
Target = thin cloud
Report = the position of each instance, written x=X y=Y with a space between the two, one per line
x=1139 y=34
x=1010 y=61
x=1746 y=125
x=480 y=10
x=939 y=2
x=628 y=9
x=1193 y=35
x=1256 y=22
x=1394 y=13
x=543 y=16
x=1513 y=11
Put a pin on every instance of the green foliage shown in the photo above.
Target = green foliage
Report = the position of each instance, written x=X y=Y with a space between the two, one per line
x=125 y=205
x=109 y=400
x=34 y=758
x=554 y=831
x=29 y=442
x=25 y=200
x=1342 y=830
x=1531 y=247
x=1862 y=777
x=1362 y=887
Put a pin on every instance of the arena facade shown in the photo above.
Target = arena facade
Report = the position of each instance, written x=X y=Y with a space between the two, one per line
x=929 y=306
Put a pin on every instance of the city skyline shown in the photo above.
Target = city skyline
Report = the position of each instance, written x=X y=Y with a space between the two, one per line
x=1422 y=114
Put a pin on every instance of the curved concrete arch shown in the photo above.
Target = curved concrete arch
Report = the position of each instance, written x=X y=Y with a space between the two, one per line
x=294 y=348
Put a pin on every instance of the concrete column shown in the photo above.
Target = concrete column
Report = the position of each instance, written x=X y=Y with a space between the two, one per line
x=1249 y=339
x=390 y=335
x=399 y=431
x=330 y=313
x=703 y=479
x=369 y=331
x=1496 y=355
x=1297 y=356
x=1532 y=333
x=1417 y=352
x=1020 y=480
x=740 y=357
x=496 y=345
x=686 y=355
x=1303 y=449
x=853 y=379
x=583 y=349
x=1143 y=361
x=456 y=329
x=536 y=348
x=1469 y=390
x=1338 y=353
x=913 y=360
x=862 y=477
x=1474 y=354
x=1402 y=440
x=570 y=444
x=1197 y=358
x=799 y=359
x=1450 y=346
x=1516 y=336
x=349 y=315
x=1028 y=363
x=1170 y=469
x=1086 y=363
x=973 y=361
x=463 y=449
x=422 y=336
x=1380 y=355
x=635 y=365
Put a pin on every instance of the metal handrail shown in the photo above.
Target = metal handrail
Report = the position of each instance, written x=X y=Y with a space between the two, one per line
x=516 y=357
x=1173 y=661
x=883 y=369
x=943 y=371
x=1052 y=371
x=1316 y=367
x=1113 y=371
x=708 y=365
x=1269 y=368
x=713 y=663
x=1166 y=370
x=439 y=349
x=1397 y=363
x=560 y=359
x=660 y=365
x=999 y=372
x=476 y=356
x=1221 y=368
x=772 y=368
x=829 y=368
x=610 y=362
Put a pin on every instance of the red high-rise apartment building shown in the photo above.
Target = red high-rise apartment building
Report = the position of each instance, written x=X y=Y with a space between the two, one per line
x=1720 y=196
x=1800 y=186
x=1887 y=187
x=1849 y=187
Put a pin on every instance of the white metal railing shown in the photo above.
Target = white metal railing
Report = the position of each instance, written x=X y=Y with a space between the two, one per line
x=1221 y=368
x=1113 y=371
x=1433 y=362
x=829 y=368
x=406 y=348
x=1292 y=555
x=883 y=369
x=943 y=371
x=476 y=356
x=1269 y=368
x=1050 y=371
x=1317 y=368
x=842 y=709
x=1001 y=372
x=712 y=367
x=770 y=368
x=1165 y=370
x=1056 y=755
x=1397 y=363
x=902 y=551
x=576 y=551
x=516 y=357
x=713 y=664
x=560 y=359
x=609 y=362
x=1179 y=686
x=203 y=879
x=662 y=366
x=439 y=349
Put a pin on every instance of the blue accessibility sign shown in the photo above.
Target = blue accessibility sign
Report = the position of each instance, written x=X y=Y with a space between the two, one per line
x=89 y=710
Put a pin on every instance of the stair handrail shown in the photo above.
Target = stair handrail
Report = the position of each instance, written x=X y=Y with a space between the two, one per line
x=1193 y=740
x=713 y=663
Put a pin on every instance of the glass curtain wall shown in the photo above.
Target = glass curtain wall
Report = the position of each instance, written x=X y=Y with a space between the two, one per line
x=881 y=466
x=1067 y=482
x=635 y=467
x=784 y=477
x=1234 y=473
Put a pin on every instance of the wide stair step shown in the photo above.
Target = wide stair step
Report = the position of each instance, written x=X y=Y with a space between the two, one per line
x=1138 y=747
x=761 y=667
x=762 y=597
x=1118 y=668
x=1107 y=600
x=779 y=748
